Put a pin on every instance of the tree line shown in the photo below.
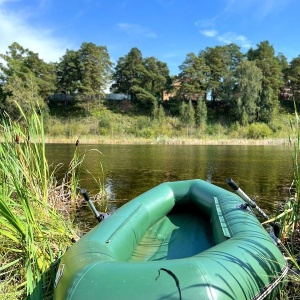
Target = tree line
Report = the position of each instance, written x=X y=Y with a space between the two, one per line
x=250 y=84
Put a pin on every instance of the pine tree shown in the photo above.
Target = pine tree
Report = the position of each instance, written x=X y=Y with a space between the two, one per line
x=144 y=79
x=155 y=110
x=271 y=82
x=244 y=100
x=161 y=115
x=201 y=113
x=187 y=115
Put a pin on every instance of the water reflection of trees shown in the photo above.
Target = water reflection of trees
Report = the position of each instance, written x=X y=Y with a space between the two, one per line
x=263 y=172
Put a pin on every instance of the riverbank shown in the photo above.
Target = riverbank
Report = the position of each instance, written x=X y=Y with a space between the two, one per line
x=167 y=141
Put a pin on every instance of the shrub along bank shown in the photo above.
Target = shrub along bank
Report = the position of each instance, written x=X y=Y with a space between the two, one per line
x=124 y=123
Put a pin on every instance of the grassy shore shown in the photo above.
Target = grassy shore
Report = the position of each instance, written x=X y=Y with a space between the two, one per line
x=110 y=124
x=166 y=141
x=37 y=212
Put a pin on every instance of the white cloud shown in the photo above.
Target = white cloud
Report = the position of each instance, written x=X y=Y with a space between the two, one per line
x=231 y=37
x=209 y=33
x=135 y=29
x=228 y=38
x=15 y=27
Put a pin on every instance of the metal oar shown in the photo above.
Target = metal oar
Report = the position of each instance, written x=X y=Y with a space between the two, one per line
x=249 y=202
x=98 y=215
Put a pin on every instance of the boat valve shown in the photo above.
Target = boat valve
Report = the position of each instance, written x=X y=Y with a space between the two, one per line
x=243 y=206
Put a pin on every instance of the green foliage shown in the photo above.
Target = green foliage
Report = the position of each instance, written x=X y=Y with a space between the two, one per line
x=237 y=131
x=71 y=128
x=201 y=113
x=158 y=113
x=288 y=219
x=142 y=95
x=86 y=73
x=127 y=72
x=142 y=122
x=25 y=80
x=258 y=131
x=187 y=114
x=23 y=93
x=68 y=73
x=245 y=95
x=222 y=62
x=272 y=79
x=293 y=75
x=155 y=110
x=145 y=79
x=268 y=106
x=33 y=232
x=20 y=62
x=146 y=133
x=95 y=69
x=157 y=76
x=105 y=121
x=216 y=130
x=36 y=211
x=124 y=125
x=193 y=77
x=172 y=106
x=295 y=205
x=248 y=87
x=161 y=115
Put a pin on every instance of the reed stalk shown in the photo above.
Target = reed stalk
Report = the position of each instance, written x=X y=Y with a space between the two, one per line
x=36 y=211
x=290 y=223
x=289 y=218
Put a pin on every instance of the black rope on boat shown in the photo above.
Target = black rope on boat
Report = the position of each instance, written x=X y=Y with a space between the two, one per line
x=174 y=277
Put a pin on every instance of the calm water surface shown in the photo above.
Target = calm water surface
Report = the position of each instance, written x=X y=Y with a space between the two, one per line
x=263 y=172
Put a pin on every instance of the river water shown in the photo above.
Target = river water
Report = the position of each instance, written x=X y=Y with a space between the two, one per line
x=263 y=172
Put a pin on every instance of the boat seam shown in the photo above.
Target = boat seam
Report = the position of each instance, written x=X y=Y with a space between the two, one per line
x=271 y=286
x=108 y=240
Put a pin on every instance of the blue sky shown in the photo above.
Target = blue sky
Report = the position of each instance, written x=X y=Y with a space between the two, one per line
x=165 y=29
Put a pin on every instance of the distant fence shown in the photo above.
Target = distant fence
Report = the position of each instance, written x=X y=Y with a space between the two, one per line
x=118 y=97
x=61 y=97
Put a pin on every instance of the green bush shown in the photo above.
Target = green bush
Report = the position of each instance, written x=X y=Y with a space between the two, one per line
x=104 y=131
x=105 y=121
x=55 y=128
x=258 y=131
x=236 y=131
x=142 y=122
x=146 y=133
x=74 y=128
x=215 y=129
x=93 y=127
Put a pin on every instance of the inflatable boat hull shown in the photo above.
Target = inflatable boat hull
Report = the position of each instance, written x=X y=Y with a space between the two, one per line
x=179 y=240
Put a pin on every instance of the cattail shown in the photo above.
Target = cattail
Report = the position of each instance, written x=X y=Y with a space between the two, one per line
x=77 y=143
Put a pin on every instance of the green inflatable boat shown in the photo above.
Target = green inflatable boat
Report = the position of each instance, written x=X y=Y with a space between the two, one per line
x=180 y=240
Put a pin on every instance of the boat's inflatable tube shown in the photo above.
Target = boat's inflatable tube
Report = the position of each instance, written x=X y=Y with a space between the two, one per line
x=244 y=263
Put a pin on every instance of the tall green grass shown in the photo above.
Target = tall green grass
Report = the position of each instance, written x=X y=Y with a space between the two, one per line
x=36 y=211
x=290 y=222
x=289 y=218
